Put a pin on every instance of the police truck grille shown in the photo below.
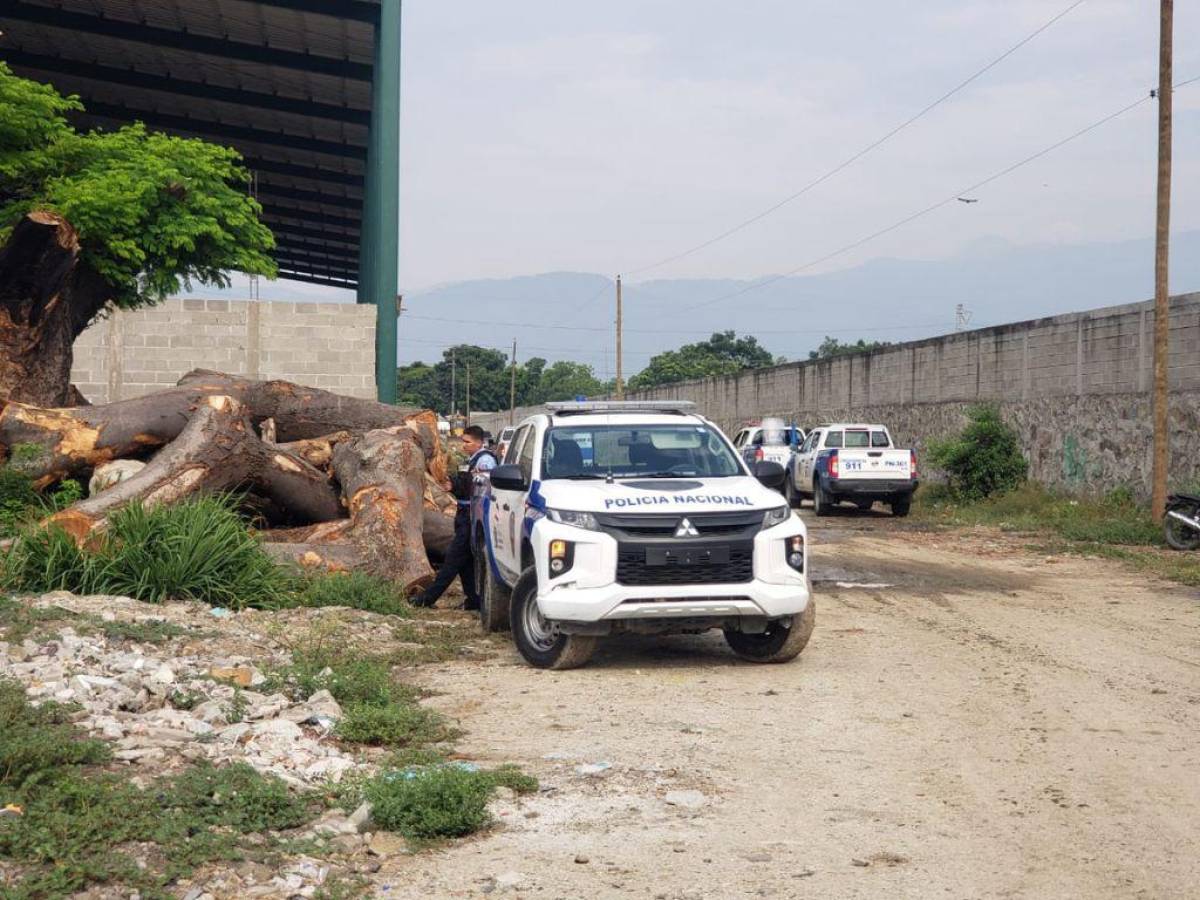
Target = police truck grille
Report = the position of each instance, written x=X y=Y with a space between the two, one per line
x=632 y=568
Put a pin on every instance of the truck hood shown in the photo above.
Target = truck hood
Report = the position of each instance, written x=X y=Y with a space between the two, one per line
x=659 y=495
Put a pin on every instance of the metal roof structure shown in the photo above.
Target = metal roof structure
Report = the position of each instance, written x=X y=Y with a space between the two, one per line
x=306 y=90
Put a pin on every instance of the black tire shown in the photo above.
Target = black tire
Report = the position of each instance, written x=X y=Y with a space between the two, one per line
x=493 y=598
x=900 y=507
x=779 y=643
x=821 y=503
x=1177 y=534
x=791 y=494
x=539 y=641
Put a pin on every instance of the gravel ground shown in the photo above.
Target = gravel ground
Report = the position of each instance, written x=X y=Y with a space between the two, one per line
x=977 y=721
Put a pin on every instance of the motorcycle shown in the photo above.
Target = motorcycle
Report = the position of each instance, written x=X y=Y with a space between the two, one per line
x=1181 y=524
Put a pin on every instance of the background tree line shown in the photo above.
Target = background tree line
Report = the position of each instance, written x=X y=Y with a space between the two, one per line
x=430 y=385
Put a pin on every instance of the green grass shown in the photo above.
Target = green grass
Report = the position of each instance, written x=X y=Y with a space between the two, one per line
x=1114 y=526
x=1112 y=519
x=355 y=590
x=198 y=549
x=20 y=503
x=77 y=817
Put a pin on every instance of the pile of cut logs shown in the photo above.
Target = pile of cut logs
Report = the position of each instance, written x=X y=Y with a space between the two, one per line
x=338 y=482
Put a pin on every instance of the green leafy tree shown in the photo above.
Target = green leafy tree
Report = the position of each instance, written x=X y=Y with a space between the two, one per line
x=565 y=381
x=984 y=459
x=722 y=354
x=831 y=347
x=90 y=220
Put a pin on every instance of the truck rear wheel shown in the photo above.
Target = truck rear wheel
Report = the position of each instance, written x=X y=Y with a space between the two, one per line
x=900 y=507
x=494 y=598
x=790 y=493
x=821 y=504
x=779 y=643
x=539 y=640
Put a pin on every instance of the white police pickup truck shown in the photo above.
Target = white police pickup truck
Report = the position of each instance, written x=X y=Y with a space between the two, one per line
x=612 y=517
x=852 y=462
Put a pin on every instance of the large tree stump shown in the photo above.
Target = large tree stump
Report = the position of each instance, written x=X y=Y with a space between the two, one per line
x=217 y=451
x=47 y=297
x=382 y=474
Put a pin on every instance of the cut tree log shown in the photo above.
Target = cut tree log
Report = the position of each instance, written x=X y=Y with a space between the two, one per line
x=382 y=474
x=336 y=557
x=317 y=451
x=78 y=439
x=217 y=451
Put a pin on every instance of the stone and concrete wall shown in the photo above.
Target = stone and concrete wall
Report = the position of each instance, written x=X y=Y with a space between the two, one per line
x=1076 y=387
x=325 y=345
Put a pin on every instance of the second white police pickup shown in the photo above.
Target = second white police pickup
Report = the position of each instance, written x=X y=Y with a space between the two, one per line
x=614 y=517
x=852 y=462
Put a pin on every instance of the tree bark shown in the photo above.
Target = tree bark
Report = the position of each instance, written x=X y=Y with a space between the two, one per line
x=79 y=439
x=217 y=451
x=335 y=557
x=382 y=474
x=48 y=295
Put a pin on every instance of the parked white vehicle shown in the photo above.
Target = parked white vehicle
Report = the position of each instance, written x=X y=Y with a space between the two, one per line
x=854 y=462
x=612 y=517
x=772 y=441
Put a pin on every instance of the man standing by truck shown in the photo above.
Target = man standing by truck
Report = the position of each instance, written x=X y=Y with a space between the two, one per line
x=459 y=560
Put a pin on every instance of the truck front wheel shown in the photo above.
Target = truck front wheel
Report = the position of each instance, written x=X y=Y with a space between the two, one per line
x=494 y=599
x=539 y=640
x=779 y=643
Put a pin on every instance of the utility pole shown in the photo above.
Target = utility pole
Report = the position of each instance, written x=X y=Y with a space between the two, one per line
x=620 y=380
x=468 y=392
x=453 y=377
x=1162 y=237
x=512 y=387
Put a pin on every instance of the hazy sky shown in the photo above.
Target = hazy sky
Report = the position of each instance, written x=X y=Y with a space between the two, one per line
x=540 y=135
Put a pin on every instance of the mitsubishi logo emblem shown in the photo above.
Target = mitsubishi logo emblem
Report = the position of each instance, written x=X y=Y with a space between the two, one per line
x=686 y=529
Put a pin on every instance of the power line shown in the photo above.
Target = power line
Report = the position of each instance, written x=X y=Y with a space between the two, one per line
x=861 y=153
x=932 y=207
x=669 y=331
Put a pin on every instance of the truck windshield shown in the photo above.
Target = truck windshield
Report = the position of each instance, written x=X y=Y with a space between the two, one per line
x=633 y=451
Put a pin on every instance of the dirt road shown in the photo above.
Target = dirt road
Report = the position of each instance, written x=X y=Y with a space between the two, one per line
x=981 y=722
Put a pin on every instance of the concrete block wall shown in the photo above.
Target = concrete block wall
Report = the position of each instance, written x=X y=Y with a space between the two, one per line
x=1075 y=386
x=325 y=345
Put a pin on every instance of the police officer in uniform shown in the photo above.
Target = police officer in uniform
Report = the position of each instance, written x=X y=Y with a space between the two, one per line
x=459 y=559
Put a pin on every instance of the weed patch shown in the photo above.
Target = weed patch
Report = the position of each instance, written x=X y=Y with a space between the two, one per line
x=438 y=802
x=405 y=724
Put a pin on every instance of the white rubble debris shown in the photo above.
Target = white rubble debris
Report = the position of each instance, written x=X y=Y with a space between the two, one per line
x=151 y=705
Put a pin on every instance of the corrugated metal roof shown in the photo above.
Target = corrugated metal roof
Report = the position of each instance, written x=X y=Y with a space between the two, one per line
x=286 y=82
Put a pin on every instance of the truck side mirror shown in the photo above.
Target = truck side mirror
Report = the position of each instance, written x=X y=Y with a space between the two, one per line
x=508 y=478
x=770 y=474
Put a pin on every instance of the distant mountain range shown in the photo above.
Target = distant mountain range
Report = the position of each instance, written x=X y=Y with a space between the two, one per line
x=569 y=315
x=884 y=299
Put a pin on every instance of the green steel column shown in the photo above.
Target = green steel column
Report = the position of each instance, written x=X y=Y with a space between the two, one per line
x=379 y=253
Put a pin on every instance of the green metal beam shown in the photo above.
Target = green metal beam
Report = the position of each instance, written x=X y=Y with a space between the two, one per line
x=380 y=267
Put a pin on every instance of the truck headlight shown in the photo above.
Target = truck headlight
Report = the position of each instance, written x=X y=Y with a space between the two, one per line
x=776 y=516
x=578 y=519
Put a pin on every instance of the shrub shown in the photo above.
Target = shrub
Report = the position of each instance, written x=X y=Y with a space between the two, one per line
x=404 y=724
x=984 y=459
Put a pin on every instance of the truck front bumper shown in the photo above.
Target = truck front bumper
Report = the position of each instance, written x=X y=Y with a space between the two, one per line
x=589 y=592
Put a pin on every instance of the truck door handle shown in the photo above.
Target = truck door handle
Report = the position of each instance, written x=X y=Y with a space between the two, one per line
x=504 y=506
